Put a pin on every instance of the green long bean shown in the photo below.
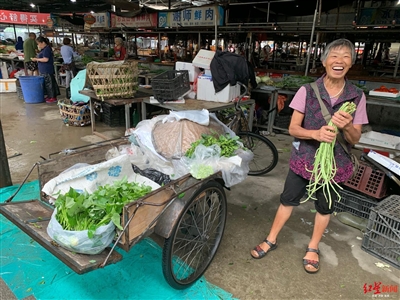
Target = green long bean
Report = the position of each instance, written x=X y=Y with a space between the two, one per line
x=325 y=168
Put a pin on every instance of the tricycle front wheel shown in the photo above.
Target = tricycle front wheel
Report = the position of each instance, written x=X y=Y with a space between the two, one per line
x=195 y=239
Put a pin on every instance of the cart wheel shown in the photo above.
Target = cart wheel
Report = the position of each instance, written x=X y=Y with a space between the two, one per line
x=195 y=239
x=265 y=152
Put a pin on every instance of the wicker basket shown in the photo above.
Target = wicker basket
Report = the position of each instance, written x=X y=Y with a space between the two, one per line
x=113 y=79
x=74 y=115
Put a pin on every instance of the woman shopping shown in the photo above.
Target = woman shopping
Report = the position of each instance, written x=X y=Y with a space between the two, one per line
x=68 y=54
x=45 y=60
x=309 y=129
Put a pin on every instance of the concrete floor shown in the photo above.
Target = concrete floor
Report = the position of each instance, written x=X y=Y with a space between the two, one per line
x=36 y=130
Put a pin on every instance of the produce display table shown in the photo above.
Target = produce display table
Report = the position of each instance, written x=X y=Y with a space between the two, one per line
x=13 y=61
x=193 y=104
x=127 y=102
x=274 y=92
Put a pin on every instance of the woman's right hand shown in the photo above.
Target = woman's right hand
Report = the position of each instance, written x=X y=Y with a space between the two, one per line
x=325 y=134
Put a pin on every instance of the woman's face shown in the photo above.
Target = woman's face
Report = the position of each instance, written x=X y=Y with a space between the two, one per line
x=338 y=62
x=41 y=45
x=117 y=42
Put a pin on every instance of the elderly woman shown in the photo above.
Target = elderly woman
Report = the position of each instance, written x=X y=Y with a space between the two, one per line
x=119 y=49
x=45 y=60
x=309 y=129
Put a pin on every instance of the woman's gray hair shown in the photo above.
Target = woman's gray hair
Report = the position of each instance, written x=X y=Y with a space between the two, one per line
x=339 y=44
x=120 y=40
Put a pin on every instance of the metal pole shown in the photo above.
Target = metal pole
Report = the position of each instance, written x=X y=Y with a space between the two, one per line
x=15 y=33
x=159 y=46
x=5 y=178
x=397 y=64
x=269 y=5
x=316 y=50
x=311 y=40
x=216 y=28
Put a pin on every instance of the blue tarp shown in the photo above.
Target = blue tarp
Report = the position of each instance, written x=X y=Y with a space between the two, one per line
x=28 y=269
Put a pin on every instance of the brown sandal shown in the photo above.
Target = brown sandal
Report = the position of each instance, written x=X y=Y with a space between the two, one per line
x=261 y=253
x=310 y=262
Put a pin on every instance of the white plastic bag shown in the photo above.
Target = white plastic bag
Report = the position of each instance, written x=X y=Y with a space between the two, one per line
x=235 y=169
x=78 y=241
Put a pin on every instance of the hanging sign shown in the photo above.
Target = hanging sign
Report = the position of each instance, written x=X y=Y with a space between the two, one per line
x=101 y=20
x=199 y=16
x=49 y=22
x=89 y=19
x=379 y=16
x=26 y=18
x=142 y=21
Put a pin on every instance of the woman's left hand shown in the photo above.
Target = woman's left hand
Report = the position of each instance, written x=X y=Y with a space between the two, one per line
x=342 y=119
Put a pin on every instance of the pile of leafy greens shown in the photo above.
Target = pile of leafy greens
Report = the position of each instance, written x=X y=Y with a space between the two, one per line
x=227 y=144
x=84 y=211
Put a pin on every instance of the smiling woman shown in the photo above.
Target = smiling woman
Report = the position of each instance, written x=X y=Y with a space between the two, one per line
x=309 y=128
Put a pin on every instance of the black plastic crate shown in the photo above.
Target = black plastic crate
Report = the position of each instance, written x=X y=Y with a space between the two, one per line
x=382 y=237
x=355 y=204
x=113 y=116
x=170 y=85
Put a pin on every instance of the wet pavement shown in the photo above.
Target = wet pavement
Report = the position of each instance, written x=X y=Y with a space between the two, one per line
x=36 y=130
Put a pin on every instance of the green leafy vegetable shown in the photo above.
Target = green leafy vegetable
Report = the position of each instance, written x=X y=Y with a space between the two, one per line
x=86 y=211
x=227 y=144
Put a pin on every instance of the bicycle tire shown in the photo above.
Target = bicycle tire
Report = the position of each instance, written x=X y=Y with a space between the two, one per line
x=195 y=239
x=265 y=153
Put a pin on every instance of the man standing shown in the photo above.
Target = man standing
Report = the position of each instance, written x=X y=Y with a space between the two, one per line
x=30 y=49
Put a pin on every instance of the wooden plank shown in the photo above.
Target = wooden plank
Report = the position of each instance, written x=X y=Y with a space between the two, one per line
x=33 y=218
x=145 y=214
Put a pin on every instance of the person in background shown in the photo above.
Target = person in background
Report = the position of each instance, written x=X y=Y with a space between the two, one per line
x=68 y=54
x=309 y=128
x=264 y=55
x=119 y=49
x=20 y=44
x=45 y=60
x=30 y=49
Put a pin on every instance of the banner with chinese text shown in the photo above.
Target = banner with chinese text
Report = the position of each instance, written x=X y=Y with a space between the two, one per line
x=198 y=16
x=144 y=21
x=25 y=18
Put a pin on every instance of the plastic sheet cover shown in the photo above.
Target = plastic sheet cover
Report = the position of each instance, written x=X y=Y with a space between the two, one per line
x=29 y=269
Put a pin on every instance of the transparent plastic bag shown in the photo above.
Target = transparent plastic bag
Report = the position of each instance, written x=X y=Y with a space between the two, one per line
x=204 y=161
x=79 y=241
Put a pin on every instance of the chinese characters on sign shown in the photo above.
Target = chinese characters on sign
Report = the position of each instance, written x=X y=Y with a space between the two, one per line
x=199 y=16
x=378 y=289
x=25 y=18
x=101 y=20
x=147 y=21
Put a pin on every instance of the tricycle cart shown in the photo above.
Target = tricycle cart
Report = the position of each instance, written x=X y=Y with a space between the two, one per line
x=189 y=214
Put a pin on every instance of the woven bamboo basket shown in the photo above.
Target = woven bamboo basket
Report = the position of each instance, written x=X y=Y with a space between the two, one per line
x=113 y=79
x=74 y=115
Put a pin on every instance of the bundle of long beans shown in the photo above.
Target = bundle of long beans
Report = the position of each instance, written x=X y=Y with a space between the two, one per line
x=324 y=171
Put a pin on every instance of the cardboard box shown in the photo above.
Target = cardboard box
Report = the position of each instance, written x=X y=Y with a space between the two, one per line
x=206 y=91
x=203 y=59
x=193 y=71
x=8 y=85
